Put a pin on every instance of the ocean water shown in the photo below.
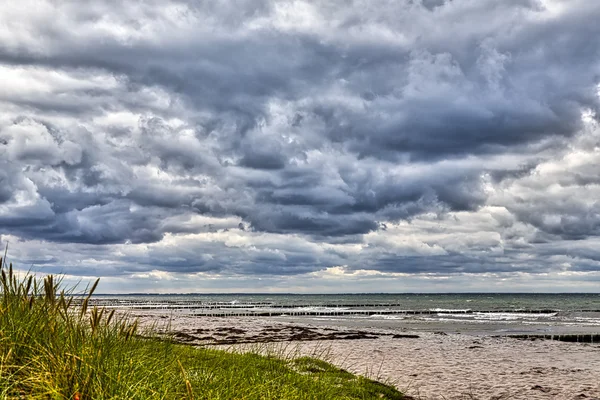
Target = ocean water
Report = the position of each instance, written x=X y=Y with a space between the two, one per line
x=475 y=313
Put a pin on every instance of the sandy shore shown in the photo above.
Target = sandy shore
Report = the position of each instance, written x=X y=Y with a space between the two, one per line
x=463 y=367
x=426 y=365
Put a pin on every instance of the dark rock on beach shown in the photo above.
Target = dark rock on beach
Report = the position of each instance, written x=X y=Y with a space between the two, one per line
x=224 y=335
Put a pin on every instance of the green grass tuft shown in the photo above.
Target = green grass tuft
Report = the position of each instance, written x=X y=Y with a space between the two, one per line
x=54 y=346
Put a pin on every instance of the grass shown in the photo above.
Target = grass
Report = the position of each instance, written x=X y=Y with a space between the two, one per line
x=53 y=346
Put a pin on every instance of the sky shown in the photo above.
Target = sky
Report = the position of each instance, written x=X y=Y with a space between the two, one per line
x=303 y=146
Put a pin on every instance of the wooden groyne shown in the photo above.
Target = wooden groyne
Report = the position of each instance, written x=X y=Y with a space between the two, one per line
x=574 y=338
x=269 y=309
x=342 y=312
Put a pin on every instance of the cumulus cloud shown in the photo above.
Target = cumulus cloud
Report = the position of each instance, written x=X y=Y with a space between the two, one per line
x=283 y=139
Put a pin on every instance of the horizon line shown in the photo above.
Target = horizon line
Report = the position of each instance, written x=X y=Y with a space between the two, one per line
x=335 y=294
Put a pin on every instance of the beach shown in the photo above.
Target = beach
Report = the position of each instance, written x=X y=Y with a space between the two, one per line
x=424 y=364
x=466 y=367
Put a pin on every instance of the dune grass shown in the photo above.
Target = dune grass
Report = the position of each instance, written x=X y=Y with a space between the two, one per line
x=54 y=346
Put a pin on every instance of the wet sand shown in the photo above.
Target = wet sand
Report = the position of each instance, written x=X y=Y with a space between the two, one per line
x=423 y=363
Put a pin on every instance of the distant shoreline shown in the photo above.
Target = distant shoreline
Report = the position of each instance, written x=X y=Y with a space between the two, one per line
x=343 y=293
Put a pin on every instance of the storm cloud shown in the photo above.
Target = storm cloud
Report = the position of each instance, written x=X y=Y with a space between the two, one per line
x=155 y=141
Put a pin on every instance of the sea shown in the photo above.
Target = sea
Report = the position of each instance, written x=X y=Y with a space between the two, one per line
x=473 y=313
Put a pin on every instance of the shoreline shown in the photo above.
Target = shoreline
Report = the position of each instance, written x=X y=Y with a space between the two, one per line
x=427 y=365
